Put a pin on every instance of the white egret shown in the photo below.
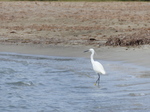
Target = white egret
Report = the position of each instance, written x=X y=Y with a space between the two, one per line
x=97 y=67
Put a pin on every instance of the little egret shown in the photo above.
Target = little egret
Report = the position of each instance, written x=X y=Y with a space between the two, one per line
x=97 y=67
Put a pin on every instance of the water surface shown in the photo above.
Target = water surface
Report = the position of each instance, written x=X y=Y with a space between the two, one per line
x=33 y=83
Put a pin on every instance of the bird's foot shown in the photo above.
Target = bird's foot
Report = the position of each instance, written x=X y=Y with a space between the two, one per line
x=97 y=84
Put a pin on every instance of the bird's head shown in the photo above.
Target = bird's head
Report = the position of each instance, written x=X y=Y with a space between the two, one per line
x=90 y=50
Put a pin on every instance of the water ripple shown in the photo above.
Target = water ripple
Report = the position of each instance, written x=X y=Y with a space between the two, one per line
x=44 y=83
x=21 y=83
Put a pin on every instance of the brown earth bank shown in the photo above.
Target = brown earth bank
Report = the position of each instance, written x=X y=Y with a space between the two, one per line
x=75 y=23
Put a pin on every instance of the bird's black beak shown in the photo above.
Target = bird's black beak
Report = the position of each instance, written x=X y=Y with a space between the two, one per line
x=86 y=51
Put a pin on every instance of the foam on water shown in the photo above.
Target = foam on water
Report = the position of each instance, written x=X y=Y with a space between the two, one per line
x=64 y=84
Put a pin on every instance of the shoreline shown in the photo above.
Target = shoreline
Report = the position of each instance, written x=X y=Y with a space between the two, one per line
x=138 y=56
x=68 y=28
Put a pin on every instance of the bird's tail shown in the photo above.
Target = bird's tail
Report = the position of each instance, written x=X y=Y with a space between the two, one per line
x=104 y=72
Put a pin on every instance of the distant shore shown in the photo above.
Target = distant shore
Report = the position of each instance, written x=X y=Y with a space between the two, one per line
x=75 y=23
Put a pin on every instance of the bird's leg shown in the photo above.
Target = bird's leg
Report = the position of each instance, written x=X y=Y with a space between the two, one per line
x=98 y=80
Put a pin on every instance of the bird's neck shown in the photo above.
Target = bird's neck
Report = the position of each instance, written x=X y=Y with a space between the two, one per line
x=92 y=55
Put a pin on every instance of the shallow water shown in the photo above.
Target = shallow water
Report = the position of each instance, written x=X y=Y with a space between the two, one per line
x=31 y=83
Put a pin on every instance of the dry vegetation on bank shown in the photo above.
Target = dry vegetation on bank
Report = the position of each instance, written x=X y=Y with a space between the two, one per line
x=75 y=23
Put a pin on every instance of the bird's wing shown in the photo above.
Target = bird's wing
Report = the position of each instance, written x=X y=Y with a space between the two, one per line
x=98 y=67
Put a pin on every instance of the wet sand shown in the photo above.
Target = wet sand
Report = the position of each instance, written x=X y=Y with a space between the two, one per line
x=139 y=56
x=69 y=28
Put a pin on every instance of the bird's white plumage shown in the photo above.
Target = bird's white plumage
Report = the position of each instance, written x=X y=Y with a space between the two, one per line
x=98 y=68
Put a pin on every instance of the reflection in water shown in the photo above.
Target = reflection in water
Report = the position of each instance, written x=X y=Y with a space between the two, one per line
x=44 y=83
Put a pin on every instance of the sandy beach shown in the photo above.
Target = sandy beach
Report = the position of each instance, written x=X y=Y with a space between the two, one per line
x=69 y=28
